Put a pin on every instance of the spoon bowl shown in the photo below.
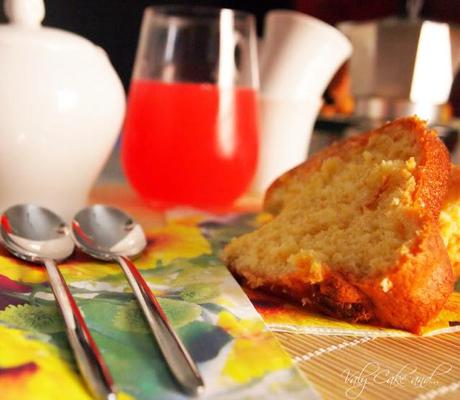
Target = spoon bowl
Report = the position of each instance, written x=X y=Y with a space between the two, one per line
x=34 y=234
x=104 y=232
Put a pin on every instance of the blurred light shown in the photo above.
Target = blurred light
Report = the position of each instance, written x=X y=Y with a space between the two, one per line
x=432 y=78
x=226 y=84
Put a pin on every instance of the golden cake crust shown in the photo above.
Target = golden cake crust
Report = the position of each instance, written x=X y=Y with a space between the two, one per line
x=432 y=174
x=453 y=194
x=420 y=287
x=450 y=220
x=420 y=284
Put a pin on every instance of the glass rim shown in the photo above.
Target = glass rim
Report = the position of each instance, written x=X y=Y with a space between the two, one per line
x=190 y=11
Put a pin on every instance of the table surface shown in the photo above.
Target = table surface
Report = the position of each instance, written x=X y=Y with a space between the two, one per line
x=345 y=367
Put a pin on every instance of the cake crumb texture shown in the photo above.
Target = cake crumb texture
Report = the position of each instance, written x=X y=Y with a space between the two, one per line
x=355 y=230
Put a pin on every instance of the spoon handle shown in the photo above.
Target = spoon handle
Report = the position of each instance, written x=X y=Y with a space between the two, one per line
x=89 y=359
x=180 y=363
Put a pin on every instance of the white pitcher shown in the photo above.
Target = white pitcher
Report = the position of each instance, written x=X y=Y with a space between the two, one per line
x=61 y=109
x=298 y=57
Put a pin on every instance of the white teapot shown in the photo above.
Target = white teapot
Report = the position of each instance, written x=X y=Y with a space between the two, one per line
x=61 y=110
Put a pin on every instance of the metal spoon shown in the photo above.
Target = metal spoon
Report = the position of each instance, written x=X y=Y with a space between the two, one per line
x=109 y=234
x=38 y=235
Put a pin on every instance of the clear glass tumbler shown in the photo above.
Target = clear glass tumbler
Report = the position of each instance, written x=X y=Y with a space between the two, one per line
x=191 y=134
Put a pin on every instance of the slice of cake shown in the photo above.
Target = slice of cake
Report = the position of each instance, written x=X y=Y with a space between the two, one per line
x=355 y=231
x=450 y=220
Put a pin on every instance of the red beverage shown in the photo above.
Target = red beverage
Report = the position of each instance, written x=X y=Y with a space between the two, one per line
x=190 y=143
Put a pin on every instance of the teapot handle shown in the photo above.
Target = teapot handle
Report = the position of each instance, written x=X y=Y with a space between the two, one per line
x=28 y=13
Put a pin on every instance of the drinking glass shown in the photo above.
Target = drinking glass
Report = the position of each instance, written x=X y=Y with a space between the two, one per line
x=191 y=134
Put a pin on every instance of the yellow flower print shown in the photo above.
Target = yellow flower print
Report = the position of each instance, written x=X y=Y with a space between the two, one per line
x=30 y=369
x=78 y=268
x=255 y=351
x=171 y=242
x=165 y=244
x=20 y=271
x=240 y=328
x=188 y=220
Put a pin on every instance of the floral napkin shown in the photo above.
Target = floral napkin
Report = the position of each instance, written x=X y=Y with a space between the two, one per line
x=237 y=355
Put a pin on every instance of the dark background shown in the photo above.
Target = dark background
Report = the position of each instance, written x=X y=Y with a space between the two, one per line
x=115 y=24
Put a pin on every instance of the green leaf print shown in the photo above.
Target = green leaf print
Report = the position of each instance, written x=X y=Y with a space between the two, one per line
x=195 y=274
x=37 y=318
x=138 y=366
x=200 y=293
x=180 y=313
x=129 y=317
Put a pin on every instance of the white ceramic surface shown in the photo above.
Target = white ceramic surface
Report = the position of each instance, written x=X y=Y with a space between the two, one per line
x=299 y=55
x=285 y=133
x=61 y=110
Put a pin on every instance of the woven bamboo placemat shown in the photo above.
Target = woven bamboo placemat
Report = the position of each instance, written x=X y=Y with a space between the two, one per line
x=346 y=367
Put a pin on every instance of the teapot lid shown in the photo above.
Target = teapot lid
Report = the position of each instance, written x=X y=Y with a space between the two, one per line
x=24 y=28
